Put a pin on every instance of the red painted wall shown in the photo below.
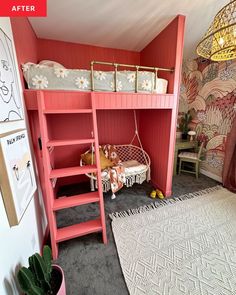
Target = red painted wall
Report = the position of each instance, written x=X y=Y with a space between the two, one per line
x=155 y=137
x=161 y=52
x=73 y=55
x=164 y=51
x=25 y=42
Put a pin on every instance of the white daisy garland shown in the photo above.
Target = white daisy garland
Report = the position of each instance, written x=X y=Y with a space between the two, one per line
x=147 y=85
x=81 y=82
x=40 y=82
x=99 y=75
x=131 y=77
x=119 y=86
x=61 y=73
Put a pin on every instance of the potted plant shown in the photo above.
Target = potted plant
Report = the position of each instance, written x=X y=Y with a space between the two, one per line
x=41 y=277
x=183 y=126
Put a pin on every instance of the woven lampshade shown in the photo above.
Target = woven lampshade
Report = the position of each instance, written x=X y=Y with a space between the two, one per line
x=219 y=42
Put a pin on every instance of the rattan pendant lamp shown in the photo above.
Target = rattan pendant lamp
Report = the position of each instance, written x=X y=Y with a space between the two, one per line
x=219 y=42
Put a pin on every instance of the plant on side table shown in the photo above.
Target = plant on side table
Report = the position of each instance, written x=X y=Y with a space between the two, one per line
x=41 y=277
x=183 y=126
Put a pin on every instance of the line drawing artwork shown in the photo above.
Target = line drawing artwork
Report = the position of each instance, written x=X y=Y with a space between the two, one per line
x=10 y=99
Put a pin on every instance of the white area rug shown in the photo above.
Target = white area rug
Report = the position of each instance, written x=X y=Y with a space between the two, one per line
x=187 y=247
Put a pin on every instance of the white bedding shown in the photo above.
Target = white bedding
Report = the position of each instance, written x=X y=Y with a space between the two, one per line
x=40 y=76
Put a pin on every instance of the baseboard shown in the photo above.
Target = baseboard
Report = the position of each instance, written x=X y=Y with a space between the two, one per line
x=211 y=175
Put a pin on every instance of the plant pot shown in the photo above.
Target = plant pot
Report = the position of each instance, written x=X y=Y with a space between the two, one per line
x=58 y=280
x=184 y=135
x=178 y=135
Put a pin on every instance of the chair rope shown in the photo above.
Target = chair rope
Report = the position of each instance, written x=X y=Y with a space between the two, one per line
x=136 y=134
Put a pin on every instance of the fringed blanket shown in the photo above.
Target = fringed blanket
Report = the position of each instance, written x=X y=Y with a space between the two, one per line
x=117 y=172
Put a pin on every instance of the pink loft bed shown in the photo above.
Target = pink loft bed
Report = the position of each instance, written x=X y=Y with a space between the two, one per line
x=69 y=127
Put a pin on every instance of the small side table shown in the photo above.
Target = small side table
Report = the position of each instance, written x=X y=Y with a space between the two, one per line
x=182 y=144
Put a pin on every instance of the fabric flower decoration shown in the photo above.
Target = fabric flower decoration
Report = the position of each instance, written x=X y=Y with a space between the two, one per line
x=131 y=77
x=81 y=82
x=147 y=85
x=121 y=177
x=61 y=73
x=113 y=155
x=99 y=75
x=25 y=67
x=118 y=86
x=40 y=82
x=114 y=186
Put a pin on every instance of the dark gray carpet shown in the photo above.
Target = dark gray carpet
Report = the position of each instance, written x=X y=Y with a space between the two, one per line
x=91 y=267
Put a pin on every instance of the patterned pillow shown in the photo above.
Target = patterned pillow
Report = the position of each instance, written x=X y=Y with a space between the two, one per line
x=89 y=159
x=110 y=152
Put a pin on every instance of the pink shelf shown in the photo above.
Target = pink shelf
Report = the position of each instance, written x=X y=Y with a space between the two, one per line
x=122 y=100
x=67 y=111
x=77 y=200
x=78 y=230
x=103 y=101
x=69 y=142
x=64 y=172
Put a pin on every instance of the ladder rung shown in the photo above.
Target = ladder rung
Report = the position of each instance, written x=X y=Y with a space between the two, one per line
x=70 y=171
x=78 y=230
x=58 y=142
x=67 y=111
x=77 y=200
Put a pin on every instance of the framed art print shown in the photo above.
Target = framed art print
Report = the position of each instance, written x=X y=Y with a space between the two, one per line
x=10 y=97
x=17 y=178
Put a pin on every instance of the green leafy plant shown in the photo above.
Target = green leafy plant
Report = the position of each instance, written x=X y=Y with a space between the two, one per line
x=36 y=279
x=184 y=122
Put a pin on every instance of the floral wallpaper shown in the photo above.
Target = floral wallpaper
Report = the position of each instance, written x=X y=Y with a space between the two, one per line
x=208 y=91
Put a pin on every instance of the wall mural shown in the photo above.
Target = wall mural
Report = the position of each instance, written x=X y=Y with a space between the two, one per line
x=10 y=100
x=208 y=91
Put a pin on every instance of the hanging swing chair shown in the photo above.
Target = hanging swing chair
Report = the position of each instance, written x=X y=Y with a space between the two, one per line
x=135 y=160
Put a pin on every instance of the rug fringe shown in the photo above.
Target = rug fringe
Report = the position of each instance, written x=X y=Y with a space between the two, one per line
x=162 y=203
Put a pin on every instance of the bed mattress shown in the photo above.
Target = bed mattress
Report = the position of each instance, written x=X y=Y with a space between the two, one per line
x=52 y=78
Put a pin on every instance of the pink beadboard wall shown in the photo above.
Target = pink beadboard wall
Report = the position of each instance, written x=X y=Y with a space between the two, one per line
x=155 y=136
x=114 y=126
x=161 y=51
x=26 y=42
x=157 y=128
x=73 y=55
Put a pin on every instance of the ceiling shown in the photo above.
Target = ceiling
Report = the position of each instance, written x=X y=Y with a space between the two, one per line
x=124 y=24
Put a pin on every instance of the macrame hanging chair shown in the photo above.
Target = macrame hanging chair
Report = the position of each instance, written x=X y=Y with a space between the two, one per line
x=127 y=153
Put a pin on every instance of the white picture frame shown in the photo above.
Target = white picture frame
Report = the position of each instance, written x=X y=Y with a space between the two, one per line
x=10 y=97
x=17 y=178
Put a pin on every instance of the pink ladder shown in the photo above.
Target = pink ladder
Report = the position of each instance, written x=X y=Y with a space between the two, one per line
x=52 y=204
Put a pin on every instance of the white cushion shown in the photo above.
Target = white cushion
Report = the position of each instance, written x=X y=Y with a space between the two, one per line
x=188 y=155
x=161 y=86
x=130 y=163
x=132 y=167
x=51 y=63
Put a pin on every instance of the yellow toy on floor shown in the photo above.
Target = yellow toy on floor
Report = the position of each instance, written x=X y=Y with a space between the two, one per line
x=153 y=194
x=156 y=193
x=159 y=194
